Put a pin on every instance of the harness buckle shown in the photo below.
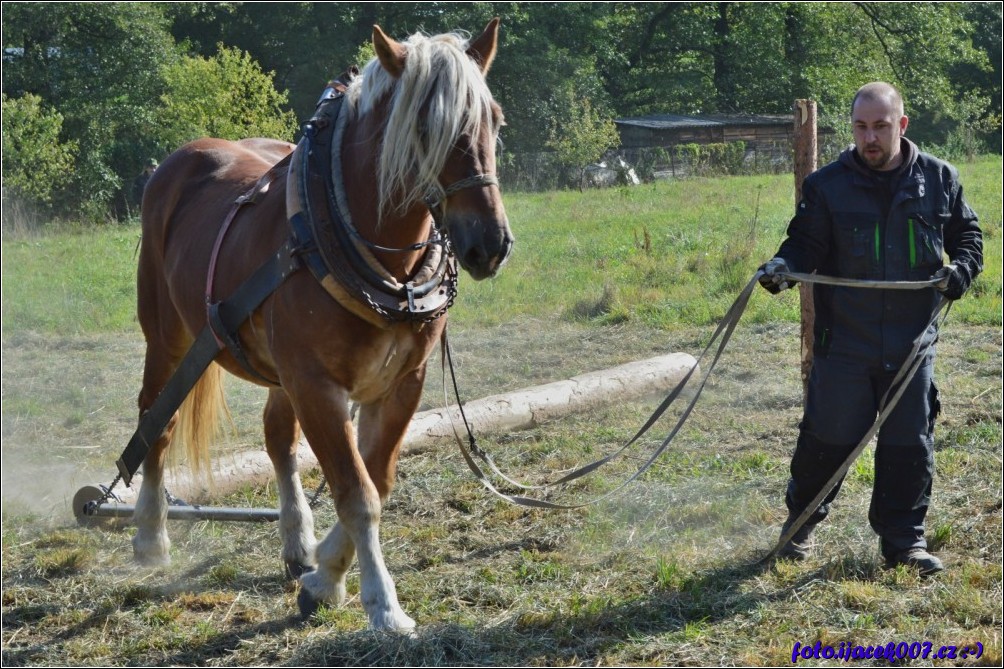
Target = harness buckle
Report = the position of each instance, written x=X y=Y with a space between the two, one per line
x=410 y=290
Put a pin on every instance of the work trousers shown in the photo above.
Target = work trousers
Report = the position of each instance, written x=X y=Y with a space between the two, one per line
x=842 y=404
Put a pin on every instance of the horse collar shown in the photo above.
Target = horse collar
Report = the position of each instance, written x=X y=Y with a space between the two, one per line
x=339 y=257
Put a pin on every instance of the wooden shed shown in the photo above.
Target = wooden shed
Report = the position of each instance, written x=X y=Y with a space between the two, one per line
x=767 y=139
x=670 y=129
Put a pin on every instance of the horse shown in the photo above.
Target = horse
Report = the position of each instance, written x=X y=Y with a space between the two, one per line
x=419 y=118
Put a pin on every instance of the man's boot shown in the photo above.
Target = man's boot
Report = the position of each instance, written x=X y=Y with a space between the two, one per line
x=916 y=558
x=799 y=546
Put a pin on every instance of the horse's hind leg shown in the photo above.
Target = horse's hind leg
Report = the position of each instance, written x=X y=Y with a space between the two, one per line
x=166 y=343
x=296 y=522
x=151 y=544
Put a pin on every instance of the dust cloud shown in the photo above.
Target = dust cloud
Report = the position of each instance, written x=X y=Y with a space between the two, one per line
x=43 y=490
x=692 y=520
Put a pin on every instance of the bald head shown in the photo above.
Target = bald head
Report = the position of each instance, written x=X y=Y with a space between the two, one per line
x=879 y=91
x=879 y=123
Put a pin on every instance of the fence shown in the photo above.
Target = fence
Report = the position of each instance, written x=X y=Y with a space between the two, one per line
x=541 y=171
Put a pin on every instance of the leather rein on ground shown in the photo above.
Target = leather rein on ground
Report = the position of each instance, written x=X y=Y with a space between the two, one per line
x=724 y=331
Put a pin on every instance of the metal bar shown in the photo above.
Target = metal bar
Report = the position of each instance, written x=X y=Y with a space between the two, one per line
x=174 y=512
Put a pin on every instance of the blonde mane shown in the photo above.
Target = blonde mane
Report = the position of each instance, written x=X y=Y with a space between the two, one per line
x=440 y=97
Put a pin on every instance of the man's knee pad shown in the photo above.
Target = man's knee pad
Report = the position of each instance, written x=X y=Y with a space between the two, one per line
x=812 y=465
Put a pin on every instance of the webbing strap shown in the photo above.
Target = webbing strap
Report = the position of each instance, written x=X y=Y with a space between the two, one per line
x=913 y=362
x=231 y=314
x=156 y=418
x=724 y=331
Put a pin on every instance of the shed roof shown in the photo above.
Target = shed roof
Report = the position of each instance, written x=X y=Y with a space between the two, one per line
x=676 y=121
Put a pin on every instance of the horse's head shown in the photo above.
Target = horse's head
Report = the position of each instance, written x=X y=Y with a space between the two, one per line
x=439 y=136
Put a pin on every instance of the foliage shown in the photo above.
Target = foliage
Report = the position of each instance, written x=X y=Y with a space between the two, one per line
x=719 y=157
x=98 y=65
x=107 y=69
x=103 y=66
x=36 y=162
x=582 y=137
x=226 y=96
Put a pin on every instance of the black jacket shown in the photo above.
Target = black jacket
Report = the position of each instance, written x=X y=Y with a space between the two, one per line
x=851 y=223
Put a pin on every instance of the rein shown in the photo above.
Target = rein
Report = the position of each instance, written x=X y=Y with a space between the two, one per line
x=724 y=331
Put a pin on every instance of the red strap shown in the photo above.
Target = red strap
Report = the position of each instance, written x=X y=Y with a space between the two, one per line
x=211 y=274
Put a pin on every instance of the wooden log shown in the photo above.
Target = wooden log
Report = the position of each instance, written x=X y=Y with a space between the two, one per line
x=517 y=410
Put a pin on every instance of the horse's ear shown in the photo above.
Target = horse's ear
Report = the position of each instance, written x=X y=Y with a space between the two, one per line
x=483 y=48
x=390 y=53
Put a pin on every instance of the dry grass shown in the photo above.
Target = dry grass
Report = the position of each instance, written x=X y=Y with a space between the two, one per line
x=663 y=574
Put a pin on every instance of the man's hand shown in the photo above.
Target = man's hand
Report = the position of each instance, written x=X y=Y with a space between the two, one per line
x=770 y=279
x=952 y=281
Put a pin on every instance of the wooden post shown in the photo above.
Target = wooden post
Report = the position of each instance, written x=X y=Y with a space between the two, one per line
x=805 y=164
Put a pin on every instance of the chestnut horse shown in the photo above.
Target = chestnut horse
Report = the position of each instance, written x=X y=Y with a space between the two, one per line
x=420 y=119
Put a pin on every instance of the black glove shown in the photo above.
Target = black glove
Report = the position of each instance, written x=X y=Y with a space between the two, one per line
x=770 y=279
x=953 y=281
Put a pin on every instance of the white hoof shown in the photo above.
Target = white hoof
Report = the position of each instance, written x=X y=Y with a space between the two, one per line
x=393 y=621
x=152 y=552
x=323 y=588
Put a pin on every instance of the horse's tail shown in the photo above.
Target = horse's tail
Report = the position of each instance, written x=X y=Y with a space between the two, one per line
x=200 y=421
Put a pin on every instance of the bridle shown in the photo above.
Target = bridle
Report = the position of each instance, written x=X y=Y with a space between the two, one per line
x=435 y=201
x=339 y=256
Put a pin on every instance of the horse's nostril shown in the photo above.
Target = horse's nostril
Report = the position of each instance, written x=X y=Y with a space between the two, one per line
x=475 y=257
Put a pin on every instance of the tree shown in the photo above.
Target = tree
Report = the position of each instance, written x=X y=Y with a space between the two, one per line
x=582 y=137
x=36 y=162
x=226 y=96
x=98 y=65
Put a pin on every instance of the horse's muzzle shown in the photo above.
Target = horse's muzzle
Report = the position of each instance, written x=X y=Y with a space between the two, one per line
x=482 y=247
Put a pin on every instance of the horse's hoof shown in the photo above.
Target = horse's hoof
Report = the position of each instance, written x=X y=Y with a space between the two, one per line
x=294 y=569
x=151 y=558
x=308 y=605
x=395 y=623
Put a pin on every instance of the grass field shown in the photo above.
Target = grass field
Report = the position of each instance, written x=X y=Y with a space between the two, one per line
x=663 y=574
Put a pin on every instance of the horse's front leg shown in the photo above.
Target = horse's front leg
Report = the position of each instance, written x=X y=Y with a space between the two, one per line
x=324 y=416
x=382 y=426
x=296 y=522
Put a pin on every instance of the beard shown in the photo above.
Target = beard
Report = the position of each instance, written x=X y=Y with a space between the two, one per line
x=876 y=157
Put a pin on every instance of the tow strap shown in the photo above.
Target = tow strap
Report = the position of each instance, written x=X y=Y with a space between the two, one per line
x=230 y=314
x=724 y=331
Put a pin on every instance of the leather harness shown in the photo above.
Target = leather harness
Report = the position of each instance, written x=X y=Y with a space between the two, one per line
x=324 y=240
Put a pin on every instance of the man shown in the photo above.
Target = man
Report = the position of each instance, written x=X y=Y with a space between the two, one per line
x=883 y=211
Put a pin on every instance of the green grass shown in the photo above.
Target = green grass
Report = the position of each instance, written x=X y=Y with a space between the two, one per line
x=662 y=574
x=666 y=255
x=71 y=282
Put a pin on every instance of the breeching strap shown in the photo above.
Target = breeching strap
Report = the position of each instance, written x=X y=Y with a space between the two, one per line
x=723 y=332
x=232 y=313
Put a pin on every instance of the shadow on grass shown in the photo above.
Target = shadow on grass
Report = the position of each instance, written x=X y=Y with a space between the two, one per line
x=597 y=630
x=554 y=638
